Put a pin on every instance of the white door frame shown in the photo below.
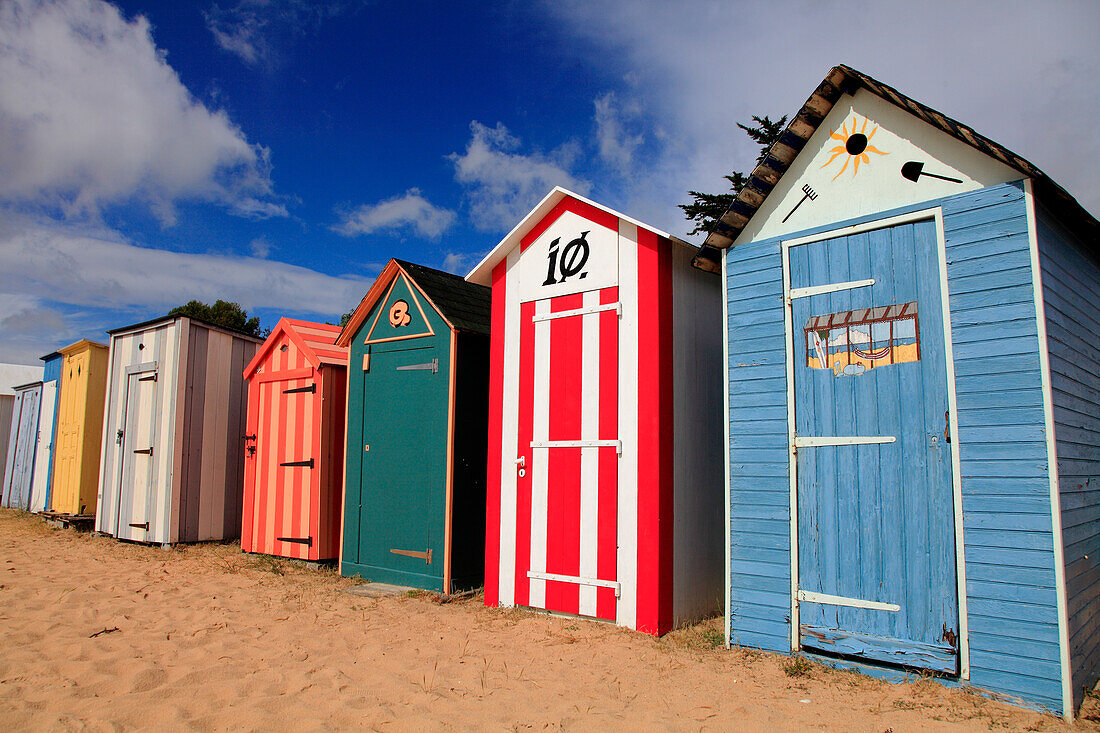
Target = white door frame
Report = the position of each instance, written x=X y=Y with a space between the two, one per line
x=935 y=215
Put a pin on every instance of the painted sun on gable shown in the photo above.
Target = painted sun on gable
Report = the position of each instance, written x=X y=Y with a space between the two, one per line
x=856 y=146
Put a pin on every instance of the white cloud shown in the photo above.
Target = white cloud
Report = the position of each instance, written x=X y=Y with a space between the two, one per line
x=95 y=270
x=260 y=247
x=503 y=185
x=617 y=147
x=397 y=214
x=245 y=28
x=92 y=114
x=1020 y=80
x=458 y=262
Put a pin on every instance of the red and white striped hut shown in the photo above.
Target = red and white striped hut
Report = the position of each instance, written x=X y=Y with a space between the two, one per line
x=294 y=443
x=605 y=483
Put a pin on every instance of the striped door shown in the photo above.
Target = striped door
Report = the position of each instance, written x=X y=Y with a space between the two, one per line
x=875 y=535
x=24 y=440
x=285 y=458
x=136 y=446
x=569 y=448
x=39 y=489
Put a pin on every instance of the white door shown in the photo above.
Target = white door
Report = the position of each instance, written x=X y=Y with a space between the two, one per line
x=42 y=462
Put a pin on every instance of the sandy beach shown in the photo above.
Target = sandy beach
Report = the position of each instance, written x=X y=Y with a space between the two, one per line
x=102 y=635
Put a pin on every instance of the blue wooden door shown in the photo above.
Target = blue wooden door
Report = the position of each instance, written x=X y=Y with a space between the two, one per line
x=876 y=537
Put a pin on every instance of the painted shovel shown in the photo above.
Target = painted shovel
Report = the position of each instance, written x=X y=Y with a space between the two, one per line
x=915 y=169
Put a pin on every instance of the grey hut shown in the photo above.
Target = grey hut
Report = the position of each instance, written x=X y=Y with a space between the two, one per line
x=172 y=463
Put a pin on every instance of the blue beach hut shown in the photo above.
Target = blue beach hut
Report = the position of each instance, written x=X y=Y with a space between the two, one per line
x=43 y=460
x=913 y=355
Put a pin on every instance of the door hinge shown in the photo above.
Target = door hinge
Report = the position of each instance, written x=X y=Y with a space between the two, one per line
x=142 y=525
x=310 y=388
x=426 y=556
x=144 y=451
x=298 y=463
x=307 y=541
x=432 y=365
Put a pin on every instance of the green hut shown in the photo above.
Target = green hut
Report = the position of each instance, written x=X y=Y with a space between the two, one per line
x=418 y=380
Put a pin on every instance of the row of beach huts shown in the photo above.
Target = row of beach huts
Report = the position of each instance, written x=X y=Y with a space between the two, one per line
x=864 y=417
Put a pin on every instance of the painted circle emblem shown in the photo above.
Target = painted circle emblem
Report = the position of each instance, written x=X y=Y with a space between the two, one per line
x=399 y=314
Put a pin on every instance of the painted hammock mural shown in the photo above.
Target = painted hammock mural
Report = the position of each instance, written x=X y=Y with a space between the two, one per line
x=853 y=342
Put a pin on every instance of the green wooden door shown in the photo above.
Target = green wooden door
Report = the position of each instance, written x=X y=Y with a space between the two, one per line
x=396 y=490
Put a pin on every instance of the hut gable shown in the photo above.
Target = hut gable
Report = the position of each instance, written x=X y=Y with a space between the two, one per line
x=299 y=342
x=401 y=297
x=867 y=156
x=847 y=87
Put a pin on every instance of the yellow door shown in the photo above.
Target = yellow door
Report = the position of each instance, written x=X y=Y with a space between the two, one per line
x=70 y=430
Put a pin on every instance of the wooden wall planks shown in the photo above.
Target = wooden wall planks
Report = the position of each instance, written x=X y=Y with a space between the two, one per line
x=1071 y=296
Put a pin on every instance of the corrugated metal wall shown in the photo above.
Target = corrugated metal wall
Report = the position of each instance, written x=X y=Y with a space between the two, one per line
x=1071 y=294
x=211 y=443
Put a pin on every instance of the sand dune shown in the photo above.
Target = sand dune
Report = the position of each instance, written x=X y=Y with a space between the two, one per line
x=210 y=639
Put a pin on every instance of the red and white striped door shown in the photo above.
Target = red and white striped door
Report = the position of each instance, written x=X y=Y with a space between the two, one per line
x=569 y=449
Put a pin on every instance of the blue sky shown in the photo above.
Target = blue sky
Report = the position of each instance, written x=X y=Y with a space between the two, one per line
x=278 y=152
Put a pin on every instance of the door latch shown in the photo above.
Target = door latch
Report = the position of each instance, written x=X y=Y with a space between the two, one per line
x=947 y=426
x=118 y=437
x=521 y=463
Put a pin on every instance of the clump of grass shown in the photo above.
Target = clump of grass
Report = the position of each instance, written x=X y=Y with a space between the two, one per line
x=797 y=667
x=706 y=635
x=269 y=564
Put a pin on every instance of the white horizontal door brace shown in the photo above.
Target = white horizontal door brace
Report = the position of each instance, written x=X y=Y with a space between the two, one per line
x=830 y=288
x=535 y=575
x=842 y=440
x=828 y=600
x=616 y=444
x=617 y=307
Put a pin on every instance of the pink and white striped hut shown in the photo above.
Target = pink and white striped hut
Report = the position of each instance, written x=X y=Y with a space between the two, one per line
x=605 y=480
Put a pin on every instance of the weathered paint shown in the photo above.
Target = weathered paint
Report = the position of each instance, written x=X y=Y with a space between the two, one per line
x=296 y=386
x=172 y=468
x=1018 y=274
x=611 y=514
x=19 y=473
x=47 y=424
x=414 y=492
x=1011 y=600
x=79 y=428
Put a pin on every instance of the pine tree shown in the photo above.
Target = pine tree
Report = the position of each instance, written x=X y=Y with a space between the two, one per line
x=707 y=208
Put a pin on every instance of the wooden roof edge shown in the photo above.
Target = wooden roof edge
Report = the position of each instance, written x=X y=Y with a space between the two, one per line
x=78 y=345
x=284 y=326
x=366 y=303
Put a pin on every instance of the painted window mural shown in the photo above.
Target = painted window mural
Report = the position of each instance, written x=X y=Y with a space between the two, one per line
x=853 y=342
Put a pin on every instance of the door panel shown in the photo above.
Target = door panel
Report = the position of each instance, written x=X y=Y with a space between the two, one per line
x=137 y=446
x=45 y=446
x=402 y=481
x=568 y=439
x=25 y=437
x=284 y=429
x=70 y=427
x=876 y=537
